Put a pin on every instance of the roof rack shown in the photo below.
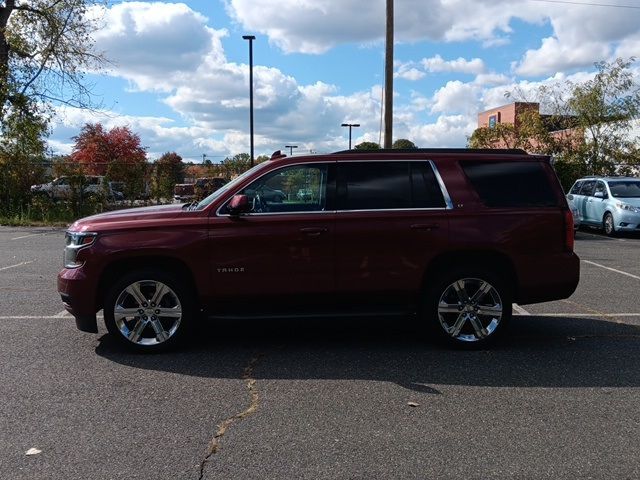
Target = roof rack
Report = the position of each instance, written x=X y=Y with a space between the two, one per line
x=492 y=151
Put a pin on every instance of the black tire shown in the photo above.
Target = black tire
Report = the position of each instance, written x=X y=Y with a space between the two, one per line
x=608 y=225
x=134 y=319
x=476 y=322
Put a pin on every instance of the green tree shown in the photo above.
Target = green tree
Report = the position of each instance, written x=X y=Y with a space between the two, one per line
x=367 y=146
x=22 y=155
x=403 y=144
x=586 y=125
x=168 y=170
x=46 y=47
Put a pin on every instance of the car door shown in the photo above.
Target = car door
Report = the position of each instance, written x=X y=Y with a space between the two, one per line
x=596 y=203
x=586 y=192
x=279 y=258
x=391 y=220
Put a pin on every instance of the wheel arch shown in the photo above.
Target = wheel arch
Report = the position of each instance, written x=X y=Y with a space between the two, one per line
x=487 y=259
x=120 y=267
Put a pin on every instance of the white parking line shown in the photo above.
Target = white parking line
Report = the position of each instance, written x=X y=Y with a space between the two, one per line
x=519 y=310
x=612 y=269
x=587 y=315
x=17 y=265
x=31 y=235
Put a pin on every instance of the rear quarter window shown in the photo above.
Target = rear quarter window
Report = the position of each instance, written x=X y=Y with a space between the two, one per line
x=511 y=184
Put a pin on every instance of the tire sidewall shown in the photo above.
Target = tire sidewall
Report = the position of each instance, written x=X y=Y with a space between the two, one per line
x=612 y=232
x=438 y=285
x=184 y=296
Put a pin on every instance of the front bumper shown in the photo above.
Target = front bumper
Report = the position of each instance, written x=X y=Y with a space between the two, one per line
x=626 y=221
x=77 y=291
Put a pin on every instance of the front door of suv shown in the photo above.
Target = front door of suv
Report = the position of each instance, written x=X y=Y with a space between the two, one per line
x=391 y=220
x=279 y=257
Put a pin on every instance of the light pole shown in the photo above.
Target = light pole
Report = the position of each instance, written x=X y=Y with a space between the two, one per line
x=291 y=147
x=251 y=38
x=350 y=125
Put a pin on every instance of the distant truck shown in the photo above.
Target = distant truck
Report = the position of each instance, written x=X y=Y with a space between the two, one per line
x=184 y=192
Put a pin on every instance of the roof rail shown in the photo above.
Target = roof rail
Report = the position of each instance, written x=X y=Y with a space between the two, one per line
x=491 y=151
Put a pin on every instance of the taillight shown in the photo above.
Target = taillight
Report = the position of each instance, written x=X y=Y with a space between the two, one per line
x=568 y=231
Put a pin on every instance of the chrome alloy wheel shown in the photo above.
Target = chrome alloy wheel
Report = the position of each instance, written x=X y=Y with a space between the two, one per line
x=470 y=310
x=147 y=312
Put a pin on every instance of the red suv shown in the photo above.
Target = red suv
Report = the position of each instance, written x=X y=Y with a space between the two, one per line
x=453 y=236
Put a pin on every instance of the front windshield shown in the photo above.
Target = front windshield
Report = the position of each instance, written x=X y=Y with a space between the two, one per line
x=229 y=186
x=625 y=188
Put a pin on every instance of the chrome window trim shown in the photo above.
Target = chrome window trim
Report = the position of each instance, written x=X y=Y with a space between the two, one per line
x=443 y=188
x=443 y=191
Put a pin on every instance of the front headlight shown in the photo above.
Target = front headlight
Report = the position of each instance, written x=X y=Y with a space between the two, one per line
x=74 y=242
x=629 y=208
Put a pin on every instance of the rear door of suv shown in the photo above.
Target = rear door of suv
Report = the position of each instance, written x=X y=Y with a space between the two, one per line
x=391 y=220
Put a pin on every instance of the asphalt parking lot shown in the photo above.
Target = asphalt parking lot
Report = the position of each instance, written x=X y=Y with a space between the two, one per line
x=322 y=399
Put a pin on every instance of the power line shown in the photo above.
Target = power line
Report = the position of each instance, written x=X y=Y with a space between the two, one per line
x=589 y=4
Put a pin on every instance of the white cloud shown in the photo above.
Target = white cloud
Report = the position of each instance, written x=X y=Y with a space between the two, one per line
x=582 y=36
x=456 y=97
x=157 y=45
x=459 y=65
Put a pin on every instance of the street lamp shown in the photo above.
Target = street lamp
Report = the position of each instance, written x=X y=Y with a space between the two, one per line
x=251 y=38
x=291 y=147
x=350 y=125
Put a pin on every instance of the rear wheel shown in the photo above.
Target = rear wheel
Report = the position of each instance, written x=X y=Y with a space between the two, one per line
x=608 y=225
x=148 y=311
x=469 y=308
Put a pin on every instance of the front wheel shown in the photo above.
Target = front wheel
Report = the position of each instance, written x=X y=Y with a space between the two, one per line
x=148 y=311
x=608 y=225
x=469 y=308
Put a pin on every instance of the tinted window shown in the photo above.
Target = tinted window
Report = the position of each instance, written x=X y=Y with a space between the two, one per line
x=625 y=188
x=600 y=188
x=425 y=188
x=375 y=185
x=511 y=184
x=388 y=185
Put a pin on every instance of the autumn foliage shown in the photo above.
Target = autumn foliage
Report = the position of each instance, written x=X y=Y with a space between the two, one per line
x=100 y=150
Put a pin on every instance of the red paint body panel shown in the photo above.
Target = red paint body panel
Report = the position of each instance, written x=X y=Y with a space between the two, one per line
x=314 y=259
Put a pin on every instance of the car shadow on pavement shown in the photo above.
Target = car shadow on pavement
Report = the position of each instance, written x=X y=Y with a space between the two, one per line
x=539 y=352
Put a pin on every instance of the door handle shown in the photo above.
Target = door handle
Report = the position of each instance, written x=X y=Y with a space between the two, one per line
x=425 y=226
x=313 y=231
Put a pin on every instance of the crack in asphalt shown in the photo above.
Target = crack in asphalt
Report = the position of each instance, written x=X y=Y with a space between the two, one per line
x=214 y=444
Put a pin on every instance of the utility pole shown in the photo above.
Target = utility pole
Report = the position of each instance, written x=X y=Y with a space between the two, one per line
x=388 y=79
x=251 y=38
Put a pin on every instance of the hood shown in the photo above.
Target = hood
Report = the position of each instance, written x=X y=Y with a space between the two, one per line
x=120 y=217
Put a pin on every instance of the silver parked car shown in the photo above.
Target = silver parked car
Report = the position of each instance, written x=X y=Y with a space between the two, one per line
x=610 y=203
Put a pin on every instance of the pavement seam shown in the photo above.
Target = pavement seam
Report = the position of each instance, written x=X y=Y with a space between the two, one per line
x=214 y=444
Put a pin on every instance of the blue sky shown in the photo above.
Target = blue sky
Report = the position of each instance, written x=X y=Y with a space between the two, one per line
x=179 y=72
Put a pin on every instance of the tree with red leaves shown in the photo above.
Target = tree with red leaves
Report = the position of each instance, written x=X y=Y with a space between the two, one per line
x=101 y=151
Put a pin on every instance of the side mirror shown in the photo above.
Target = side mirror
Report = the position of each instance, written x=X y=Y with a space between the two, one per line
x=599 y=195
x=238 y=205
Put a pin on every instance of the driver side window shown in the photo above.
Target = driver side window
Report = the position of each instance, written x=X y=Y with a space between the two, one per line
x=299 y=188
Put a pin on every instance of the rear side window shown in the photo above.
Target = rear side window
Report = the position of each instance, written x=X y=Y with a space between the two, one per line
x=511 y=184
x=387 y=186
